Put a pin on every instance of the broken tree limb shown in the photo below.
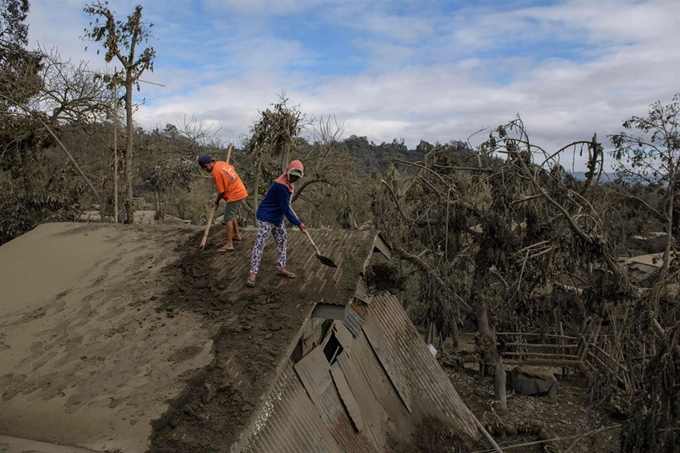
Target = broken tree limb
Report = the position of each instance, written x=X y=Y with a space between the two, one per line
x=486 y=434
x=661 y=332
x=555 y=439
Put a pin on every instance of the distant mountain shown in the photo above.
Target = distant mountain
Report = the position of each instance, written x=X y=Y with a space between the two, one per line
x=604 y=177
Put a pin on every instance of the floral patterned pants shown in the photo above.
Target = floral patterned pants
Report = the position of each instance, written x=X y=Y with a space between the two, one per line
x=264 y=229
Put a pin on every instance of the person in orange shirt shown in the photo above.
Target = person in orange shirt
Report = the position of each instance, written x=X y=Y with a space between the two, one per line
x=230 y=188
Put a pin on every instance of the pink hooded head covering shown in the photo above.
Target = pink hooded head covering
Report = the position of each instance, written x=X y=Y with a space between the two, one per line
x=294 y=166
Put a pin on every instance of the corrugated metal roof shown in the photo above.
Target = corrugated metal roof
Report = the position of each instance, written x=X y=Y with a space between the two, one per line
x=411 y=367
x=351 y=405
x=373 y=372
x=388 y=352
x=313 y=371
x=344 y=336
x=373 y=414
x=347 y=396
x=353 y=321
x=289 y=422
x=334 y=414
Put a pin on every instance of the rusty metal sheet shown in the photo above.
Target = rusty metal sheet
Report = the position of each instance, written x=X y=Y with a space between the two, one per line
x=347 y=396
x=338 y=421
x=288 y=421
x=314 y=372
x=412 y=369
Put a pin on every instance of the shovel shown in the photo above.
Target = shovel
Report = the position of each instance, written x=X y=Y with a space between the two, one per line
x=324 y=259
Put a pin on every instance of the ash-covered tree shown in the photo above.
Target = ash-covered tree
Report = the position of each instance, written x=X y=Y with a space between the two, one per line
x=273 y=139
x=29 y=194
x=331 y=176
x=19 y=67
x=168 y=159
x=120 y=40
x=488 y=236
x=19 y=83
x=650 y=154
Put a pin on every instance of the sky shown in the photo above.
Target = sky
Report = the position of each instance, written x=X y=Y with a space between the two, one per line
x=430 y=70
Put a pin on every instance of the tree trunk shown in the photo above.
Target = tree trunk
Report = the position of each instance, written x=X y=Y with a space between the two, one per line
x=129 y=210
x=500 y=400
x=669 y=232
x=26 y=173
x=487 y=337
x=115 y=160
x=159 y=216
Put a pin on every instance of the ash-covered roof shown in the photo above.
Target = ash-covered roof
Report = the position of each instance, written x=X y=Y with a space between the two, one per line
x=349 y=249
x=106 y=328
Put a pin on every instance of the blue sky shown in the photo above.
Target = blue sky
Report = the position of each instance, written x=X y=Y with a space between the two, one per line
x=429 y=69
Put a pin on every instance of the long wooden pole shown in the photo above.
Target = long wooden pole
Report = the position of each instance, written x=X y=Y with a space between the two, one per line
x=229 y=153
x=211 y=213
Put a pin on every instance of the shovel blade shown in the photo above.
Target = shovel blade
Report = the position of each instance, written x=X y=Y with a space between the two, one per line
x=326 y=261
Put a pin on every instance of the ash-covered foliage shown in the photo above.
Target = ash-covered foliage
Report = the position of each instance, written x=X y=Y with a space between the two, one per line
x=507 y=240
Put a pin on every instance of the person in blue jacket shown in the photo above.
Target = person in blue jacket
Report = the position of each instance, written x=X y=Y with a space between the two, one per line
x=270 y=214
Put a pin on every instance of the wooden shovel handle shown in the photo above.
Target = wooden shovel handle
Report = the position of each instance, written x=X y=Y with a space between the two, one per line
x=316 y=249
x=207 y=226
x=228 y=153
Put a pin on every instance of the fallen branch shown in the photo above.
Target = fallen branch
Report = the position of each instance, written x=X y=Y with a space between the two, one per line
x=554 y=439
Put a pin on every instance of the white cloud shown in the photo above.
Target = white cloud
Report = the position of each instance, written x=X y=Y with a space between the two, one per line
x=569 y=69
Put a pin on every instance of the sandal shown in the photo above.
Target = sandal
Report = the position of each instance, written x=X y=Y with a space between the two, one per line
x=225 y=250
x=250 y=282
x=285 y=273
x=238 y=239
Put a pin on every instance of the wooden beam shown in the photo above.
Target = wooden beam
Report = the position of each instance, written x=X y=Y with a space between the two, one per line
x=528 y=334
x=545 y=362
x=540 y=354
x=549 y=346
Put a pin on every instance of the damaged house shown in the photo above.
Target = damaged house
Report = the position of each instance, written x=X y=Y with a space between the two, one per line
x=185 y=357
